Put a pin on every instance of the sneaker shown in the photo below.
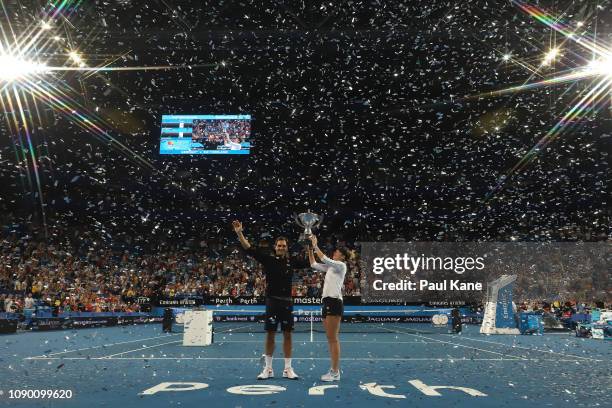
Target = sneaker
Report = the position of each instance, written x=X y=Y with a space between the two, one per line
x=266 y=373
x=290 y=374
x=331 y=376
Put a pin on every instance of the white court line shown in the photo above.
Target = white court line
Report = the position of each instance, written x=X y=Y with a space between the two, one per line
x=325 y=341
x=141 y=348
x=525 y=348
x=459 y=345
x=106 y=345
x=293 y=358
x=124 y=342
x=170 y=342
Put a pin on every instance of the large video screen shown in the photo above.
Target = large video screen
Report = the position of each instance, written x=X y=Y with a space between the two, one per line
x=205 y=134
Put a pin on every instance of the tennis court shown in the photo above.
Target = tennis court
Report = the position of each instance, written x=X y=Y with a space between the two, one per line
x=383 y=365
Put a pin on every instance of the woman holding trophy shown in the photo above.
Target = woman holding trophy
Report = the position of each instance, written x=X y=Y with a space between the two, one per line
x=333 y=307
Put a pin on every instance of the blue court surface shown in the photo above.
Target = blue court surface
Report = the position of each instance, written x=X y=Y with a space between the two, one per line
x=115 y=366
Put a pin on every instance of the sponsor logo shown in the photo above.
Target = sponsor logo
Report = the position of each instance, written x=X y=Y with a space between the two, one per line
x=307 y=300
x=178 y=302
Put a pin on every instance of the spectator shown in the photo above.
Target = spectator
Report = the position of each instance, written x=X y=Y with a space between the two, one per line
x=28 y=302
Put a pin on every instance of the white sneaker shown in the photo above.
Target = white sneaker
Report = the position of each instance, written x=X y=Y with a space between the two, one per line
x=331 y=376
x=290 y=374
x=266 y=373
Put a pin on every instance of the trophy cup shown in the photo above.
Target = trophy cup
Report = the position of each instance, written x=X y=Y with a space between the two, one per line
x=308 y=221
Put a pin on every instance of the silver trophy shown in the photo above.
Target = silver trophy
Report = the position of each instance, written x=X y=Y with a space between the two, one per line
x=308 y=221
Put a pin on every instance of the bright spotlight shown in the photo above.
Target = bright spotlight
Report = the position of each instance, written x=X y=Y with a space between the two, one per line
x=13 y=68
x=75 y=57
x=601 y=66
x=507 y=57
x=45 y=25
x=550 y=56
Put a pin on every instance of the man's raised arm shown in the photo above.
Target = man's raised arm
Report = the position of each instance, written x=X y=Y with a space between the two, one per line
x=237 y=225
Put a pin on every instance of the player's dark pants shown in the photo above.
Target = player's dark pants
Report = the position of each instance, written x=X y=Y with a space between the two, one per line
x=279 y=312
x=332 y=307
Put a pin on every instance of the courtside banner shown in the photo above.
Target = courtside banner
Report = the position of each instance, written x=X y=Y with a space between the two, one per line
x=61 y=323
x=261 y=300
x=180 y=301
x=454 y=274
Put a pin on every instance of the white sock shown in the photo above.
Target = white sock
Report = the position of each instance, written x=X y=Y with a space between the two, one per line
x=287 y=363
x=268 y=361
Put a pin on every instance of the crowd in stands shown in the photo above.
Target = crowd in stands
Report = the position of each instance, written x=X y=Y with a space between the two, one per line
x=82 y=272
x=560 y=309
x=90 y=279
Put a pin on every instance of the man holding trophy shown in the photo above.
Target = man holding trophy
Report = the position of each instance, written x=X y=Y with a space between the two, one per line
x=278 y=269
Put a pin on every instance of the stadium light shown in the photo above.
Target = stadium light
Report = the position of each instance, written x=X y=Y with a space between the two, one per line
x=601 y=66
x=75 y=56
x=550 y=56
x=13 y=68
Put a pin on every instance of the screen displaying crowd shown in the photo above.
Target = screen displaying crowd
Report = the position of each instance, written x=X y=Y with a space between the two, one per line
x=216 y=131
